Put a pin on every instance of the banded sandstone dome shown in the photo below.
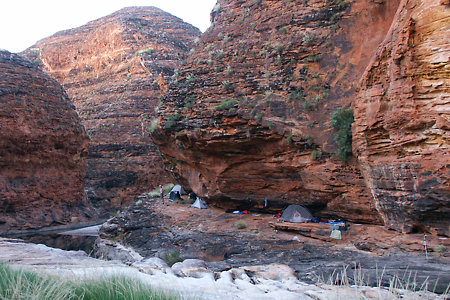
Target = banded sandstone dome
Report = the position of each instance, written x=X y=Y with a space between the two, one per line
x=43 y=150
x=249 y=114
x=114 y=69
x=403 y=119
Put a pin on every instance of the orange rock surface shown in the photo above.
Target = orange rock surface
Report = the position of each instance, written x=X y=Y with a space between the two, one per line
x=249 y=116
x=43 y=150
x=113 y=69
x=401 y=131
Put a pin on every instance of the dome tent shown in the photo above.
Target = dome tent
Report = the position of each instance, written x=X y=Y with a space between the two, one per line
x=296 y=213
x=179 y=189
x=199 y=203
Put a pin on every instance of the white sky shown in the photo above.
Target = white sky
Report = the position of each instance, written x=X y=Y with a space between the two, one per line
x=24 y=22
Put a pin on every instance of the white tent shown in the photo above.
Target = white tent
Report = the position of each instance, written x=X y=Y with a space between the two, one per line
x=178 y=189
x=296 y=213
x=199 y=203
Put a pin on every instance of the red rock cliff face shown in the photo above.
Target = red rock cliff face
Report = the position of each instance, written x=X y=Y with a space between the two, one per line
x=249 y=115
x=401 y=130
x=43 y=149
x=113 y=69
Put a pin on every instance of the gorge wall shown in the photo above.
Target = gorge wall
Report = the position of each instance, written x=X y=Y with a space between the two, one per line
x=402 y=120
x=114 y=70
x=43 y=150
x=248 y=116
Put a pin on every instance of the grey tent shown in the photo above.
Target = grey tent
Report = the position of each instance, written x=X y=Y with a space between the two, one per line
x=178 y=189
x=296 y=214
x=199 y=203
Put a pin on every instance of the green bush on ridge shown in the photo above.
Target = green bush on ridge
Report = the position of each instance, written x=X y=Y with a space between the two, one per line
x=342 y=122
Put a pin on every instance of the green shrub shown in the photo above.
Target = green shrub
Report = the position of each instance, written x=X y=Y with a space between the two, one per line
x=172 y=121
x=316 y=154
x=312 y=58
x=342 y=122
x=190 y=78
x=155 y=193
x=308 y=105
x=145 y=51
x=289 y=138
x=278 y=48
x=308 y=39
x=259 y=116
x=297 y=94
x=440 y=249
x=172 y=257
x=240 y=225
x=228 y=86
x=283 y=30
x=220 y=54
x=168 y=187
x=153 y=125
x=342 y=4
x=226 y=104
x=229 y=70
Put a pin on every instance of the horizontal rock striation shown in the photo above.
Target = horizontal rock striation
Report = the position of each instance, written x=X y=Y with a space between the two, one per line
x=114 y=69
x=249 y=114
x=43 y=150
x=402 y=120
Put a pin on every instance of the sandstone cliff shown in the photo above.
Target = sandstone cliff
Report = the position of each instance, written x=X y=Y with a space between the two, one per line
x=249 y=116
x=402 y=119
x=43 y=149
x=114 y=68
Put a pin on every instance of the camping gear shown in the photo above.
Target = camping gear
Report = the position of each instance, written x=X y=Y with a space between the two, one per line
x=193 y=196
x=336 y=234
x=296 y=213
x=199 y=203
x=174 y=196
x=179 y=189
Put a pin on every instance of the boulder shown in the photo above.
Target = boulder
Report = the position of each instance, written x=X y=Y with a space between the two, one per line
x=151 y=265
x=192 y=268
x=112 y=250
x=273 y=271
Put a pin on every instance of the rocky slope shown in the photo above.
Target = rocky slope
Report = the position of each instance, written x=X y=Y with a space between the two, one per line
x=114 y=69
x=189 y=279
x=249 y=116
x=402 y=119
x=43 y=149
x=154 y=228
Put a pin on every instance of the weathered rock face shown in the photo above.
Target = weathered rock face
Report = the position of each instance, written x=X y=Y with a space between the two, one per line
x=114 y=69
x=43 y=149
x=401 y=131
x=249 y=116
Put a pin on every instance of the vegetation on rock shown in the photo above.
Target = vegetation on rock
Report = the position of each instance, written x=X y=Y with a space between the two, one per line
x=342 y=122
x=20 y=284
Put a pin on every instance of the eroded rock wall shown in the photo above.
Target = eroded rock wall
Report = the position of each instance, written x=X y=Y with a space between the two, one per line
x=249 y=115
x=402 y=120
x=43 y=150
x=114 y=69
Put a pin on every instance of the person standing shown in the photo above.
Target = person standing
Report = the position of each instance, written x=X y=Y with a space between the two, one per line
x=162 y=192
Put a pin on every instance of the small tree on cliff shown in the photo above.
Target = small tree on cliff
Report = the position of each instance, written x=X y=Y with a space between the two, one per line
x=342 y=121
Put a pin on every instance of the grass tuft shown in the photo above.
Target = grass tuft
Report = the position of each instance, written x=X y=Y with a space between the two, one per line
x=21 y=284
x=240 y=225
